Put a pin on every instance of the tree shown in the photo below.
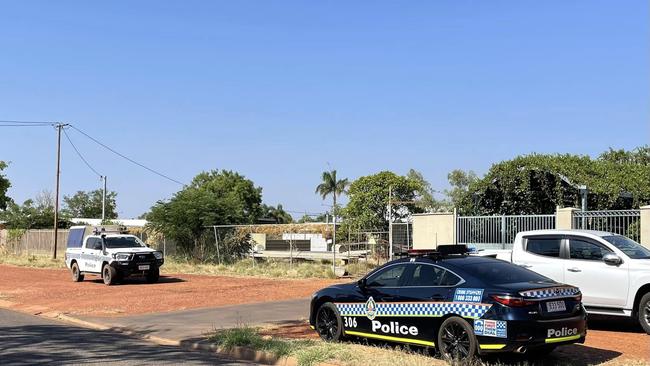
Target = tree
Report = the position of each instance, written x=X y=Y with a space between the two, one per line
x=37 y=213
x=212 y=198
x=459 y=181
x=4 y=186
x=277 y=214
x=368 y=206
x=332 y=186
x=89 y=204
x=313 y=218
x=425 y=192
x=536 y=184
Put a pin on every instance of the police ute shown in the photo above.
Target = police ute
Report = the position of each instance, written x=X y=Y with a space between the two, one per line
x=458 y=304
x=111 y=253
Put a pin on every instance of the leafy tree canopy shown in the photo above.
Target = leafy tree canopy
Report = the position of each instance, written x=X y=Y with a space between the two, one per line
x=37 y=213
x=538 y=183
x=89 y=204
x=4 y=186
x=331 y=185
x=368 y=205
x=313 y=218
x=212 y=198
x=276 y=214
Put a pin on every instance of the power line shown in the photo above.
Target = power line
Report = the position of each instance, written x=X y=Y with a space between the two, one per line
x=26 y=123
x=125 y=157
x=79 y=154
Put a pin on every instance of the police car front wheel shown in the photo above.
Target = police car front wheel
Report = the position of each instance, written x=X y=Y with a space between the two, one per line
x=456 y=340
x=328 y=323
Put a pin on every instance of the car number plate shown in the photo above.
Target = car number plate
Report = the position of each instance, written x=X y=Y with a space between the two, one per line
x=143 y=267
x=555 y=306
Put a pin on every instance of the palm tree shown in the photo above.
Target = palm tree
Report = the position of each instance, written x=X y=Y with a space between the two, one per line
x=331 y=185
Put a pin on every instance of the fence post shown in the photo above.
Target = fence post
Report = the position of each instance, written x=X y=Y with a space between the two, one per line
x=503 y=232
x=564 y=218
x=645 y=226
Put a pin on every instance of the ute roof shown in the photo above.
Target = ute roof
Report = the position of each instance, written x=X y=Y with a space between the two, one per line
x=567 y=232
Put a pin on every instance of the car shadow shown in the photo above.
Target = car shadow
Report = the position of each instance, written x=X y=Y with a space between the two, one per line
x=139 y=281
x=614 y=324
x=574 y=355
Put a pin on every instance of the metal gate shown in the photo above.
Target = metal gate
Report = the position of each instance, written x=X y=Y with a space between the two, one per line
x=491 y=231
x=623 y=222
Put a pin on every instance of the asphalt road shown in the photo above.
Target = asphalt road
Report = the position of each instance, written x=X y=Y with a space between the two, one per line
x=30 y=340
x=195 y=323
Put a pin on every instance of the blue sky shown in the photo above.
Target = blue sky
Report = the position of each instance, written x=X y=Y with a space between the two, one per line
x=279 y=90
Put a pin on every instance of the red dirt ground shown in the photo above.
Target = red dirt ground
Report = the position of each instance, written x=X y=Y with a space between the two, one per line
x=54 y=289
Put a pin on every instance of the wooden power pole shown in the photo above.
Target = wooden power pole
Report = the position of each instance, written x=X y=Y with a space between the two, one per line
x=59 y=127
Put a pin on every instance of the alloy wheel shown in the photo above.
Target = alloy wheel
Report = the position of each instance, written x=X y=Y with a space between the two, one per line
x=455 y=341
x=327 y=324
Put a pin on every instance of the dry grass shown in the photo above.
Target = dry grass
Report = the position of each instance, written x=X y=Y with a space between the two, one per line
x=245 y=267
x=32 y=261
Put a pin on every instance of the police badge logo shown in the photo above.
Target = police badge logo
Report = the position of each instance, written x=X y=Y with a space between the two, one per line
x=371 y=308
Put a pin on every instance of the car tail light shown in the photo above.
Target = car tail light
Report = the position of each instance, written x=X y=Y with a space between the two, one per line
x=512 y=301
x=578 y=297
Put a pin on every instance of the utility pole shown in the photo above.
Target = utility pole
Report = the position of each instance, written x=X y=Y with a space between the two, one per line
x=104 y=199
x=59 y=127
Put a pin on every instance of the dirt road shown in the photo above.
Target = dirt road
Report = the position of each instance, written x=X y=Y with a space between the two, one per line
x=55 y=290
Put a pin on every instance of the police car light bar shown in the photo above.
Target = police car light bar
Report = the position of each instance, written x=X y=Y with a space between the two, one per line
x=442 y=250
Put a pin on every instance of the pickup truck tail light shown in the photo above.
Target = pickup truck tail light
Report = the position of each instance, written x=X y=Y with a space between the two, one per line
x=512 y=301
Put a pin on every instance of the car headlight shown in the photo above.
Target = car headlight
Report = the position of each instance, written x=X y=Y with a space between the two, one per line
x=122 y=256
x=158 y=255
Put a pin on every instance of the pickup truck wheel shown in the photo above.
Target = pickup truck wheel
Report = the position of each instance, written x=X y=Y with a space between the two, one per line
x=153 y=275
x=109 y=274
x=76 y=273
x=644 y=312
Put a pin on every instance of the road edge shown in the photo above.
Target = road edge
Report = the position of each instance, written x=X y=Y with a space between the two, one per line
x=234 y=353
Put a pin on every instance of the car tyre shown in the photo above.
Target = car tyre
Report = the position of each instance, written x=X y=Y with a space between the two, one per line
x=456 y=340
x=644 y=312
x=77 y=276
x=329 y=325
x=153 y=275
x=109 y=275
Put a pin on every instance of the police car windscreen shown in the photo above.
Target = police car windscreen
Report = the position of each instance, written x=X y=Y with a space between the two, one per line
x=122 y=242
x=500 y=272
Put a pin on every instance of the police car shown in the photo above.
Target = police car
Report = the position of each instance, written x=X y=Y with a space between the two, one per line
x=460 y=304
x=111 y=253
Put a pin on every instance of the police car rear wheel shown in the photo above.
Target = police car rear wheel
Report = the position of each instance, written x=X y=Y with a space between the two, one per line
x=328 y=323
x=644 y=312
x=456 y=339
x=109 y=275
x=76 y=273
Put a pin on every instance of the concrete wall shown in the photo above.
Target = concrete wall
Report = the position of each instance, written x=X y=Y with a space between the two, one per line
x=432 y=229
x=645 y=226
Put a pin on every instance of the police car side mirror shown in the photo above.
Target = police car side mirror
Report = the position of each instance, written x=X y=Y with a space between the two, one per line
x=362 y=283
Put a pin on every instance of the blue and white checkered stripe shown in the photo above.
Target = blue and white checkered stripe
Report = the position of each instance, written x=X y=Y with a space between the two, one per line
x=552 y=292
x=466 y=310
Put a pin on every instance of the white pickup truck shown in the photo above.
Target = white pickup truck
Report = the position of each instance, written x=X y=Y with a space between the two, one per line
x=612 y=271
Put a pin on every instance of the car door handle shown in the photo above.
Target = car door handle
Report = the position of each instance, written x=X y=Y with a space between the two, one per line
x=437 y=298
x=574 y=269
x=525 y=265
